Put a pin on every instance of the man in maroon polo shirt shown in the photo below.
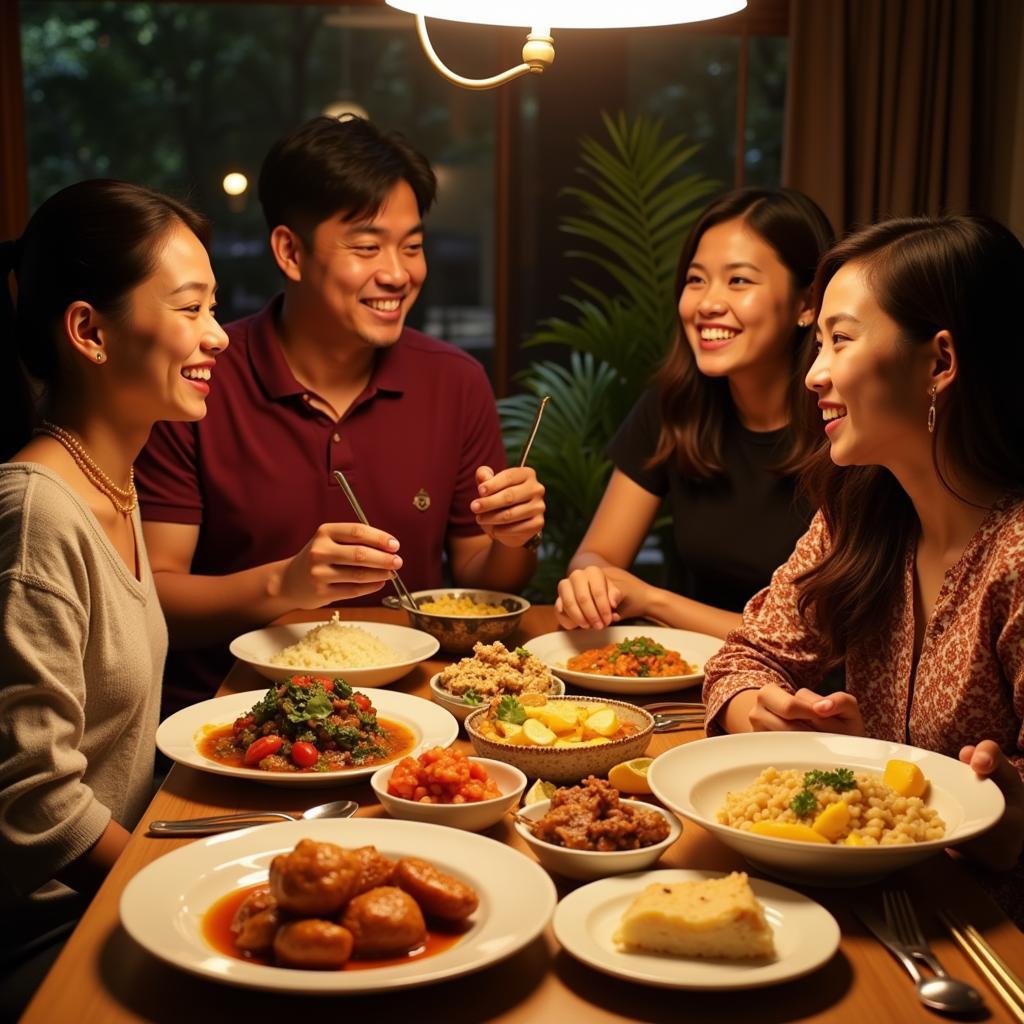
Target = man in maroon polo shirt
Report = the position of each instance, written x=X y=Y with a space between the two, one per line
x=243 y=518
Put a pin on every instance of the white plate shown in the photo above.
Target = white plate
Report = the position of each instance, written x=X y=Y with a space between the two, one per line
x=694 y=778
x=806 y=936
x=178 y=735
x=412 y=645
x=555 y=649
x=162 y=907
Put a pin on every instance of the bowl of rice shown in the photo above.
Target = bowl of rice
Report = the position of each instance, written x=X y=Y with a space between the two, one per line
x=492 y=671
x=764 y=794
x=462 y=618
x=362 y=653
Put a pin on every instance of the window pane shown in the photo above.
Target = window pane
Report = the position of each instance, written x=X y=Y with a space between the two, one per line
x=175 y=96
x=689 y=79
x=767 y=59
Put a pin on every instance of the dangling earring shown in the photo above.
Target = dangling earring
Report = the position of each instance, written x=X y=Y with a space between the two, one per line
x=931 y=409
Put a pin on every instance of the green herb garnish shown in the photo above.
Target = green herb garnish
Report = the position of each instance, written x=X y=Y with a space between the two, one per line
x=840 y=780
x=521 y=652
x=510 y=710
x=472 y=697
x=641 y=647
x=805 y=802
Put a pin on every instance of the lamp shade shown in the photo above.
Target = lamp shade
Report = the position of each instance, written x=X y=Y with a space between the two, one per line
x=571 y=13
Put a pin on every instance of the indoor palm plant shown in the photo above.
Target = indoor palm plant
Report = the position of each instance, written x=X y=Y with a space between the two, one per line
x=636 y=207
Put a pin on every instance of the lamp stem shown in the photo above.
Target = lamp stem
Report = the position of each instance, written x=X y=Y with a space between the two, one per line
x=538 y=54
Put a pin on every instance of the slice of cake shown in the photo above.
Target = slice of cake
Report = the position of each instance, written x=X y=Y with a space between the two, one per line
x=714 y=917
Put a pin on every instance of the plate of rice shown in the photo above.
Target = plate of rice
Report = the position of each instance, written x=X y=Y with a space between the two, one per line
x=363 y=653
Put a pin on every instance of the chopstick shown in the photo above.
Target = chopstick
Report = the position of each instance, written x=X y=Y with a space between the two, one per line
x=989 y=963
x=396 y=580
x=533 y=430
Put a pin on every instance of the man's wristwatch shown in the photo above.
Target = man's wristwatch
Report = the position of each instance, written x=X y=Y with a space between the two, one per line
x=534 y=542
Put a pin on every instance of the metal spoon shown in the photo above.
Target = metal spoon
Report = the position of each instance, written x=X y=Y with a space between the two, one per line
x=228 y=822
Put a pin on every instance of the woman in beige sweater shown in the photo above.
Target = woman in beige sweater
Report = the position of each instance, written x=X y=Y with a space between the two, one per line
x=112 y=312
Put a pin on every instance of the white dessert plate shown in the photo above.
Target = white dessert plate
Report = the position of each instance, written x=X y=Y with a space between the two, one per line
x=555 y=649
x=162 y=907
x=806 y=936
x=178 y=736
x=410 y=645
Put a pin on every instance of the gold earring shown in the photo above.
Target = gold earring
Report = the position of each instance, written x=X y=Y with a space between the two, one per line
x=931 y=409
x=100 y=357
x=803 y=323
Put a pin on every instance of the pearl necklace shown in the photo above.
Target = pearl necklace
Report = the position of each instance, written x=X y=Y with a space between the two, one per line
x=124 y=500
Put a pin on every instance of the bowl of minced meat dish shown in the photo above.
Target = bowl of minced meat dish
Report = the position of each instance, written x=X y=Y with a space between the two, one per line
x=492 y=671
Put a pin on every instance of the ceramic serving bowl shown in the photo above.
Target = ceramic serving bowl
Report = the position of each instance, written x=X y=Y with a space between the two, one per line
x=458 y=633
x=569 y=763
x=693 y=780
x=458 y=706
x=589 y=865
x=473 y=817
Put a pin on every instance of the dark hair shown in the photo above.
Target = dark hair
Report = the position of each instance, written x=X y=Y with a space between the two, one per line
x=695 y=409
x=955 y=274
x=329 y=166
x=93 y=242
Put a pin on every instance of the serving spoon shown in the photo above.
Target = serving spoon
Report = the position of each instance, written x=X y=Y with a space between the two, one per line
x=229 y=822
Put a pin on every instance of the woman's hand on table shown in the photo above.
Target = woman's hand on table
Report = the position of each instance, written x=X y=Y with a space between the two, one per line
x=1000 y=847
x=773 y=708
x=340 y=561
x=599 y=595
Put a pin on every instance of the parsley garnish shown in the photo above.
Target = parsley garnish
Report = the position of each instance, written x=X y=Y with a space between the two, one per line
x=641 y=647
x=472 y=697
x=510 y=710
x=805 y=802
x=521 y=652
x=840 y=780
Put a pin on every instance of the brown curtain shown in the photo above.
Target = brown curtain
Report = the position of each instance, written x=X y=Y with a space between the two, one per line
x=13 y=175
x=899 y=107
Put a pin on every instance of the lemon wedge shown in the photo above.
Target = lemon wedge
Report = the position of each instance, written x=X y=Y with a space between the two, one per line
x=540 y=790
x=631 y=776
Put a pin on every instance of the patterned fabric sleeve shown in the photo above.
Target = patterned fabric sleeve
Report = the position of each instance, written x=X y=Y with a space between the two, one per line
x=1010 y=651
x=774 y=644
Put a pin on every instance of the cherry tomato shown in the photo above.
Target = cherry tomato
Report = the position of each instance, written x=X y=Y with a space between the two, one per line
x=325 y=682
x=261 y=748
x=304 y=754
x=361 y=701
x=300 y=680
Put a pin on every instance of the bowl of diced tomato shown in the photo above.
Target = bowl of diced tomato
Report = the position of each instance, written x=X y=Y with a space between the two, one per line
x=443 y=786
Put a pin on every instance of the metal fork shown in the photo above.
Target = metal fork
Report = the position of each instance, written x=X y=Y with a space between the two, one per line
x=901 y=919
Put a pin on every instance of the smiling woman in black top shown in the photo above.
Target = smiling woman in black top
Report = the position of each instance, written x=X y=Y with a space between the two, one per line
x=722 y=428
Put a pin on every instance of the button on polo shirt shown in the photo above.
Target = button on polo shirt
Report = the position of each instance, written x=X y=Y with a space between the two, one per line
x=256 y=473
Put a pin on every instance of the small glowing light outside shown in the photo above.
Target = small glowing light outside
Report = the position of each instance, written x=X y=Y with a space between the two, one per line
x=235 y=183
x=541 y=16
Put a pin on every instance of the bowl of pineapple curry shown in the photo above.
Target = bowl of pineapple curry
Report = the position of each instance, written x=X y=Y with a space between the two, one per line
x=562 y=739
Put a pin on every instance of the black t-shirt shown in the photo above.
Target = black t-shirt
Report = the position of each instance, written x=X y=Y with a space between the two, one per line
x=731 y=531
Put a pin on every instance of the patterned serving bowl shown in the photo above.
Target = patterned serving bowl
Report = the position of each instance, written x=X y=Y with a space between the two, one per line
x=569 y=763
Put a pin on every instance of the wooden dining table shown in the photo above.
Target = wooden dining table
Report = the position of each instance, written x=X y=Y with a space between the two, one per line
x=103 y=976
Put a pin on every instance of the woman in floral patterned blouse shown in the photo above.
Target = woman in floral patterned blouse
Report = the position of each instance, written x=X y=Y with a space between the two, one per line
x=913 y=568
